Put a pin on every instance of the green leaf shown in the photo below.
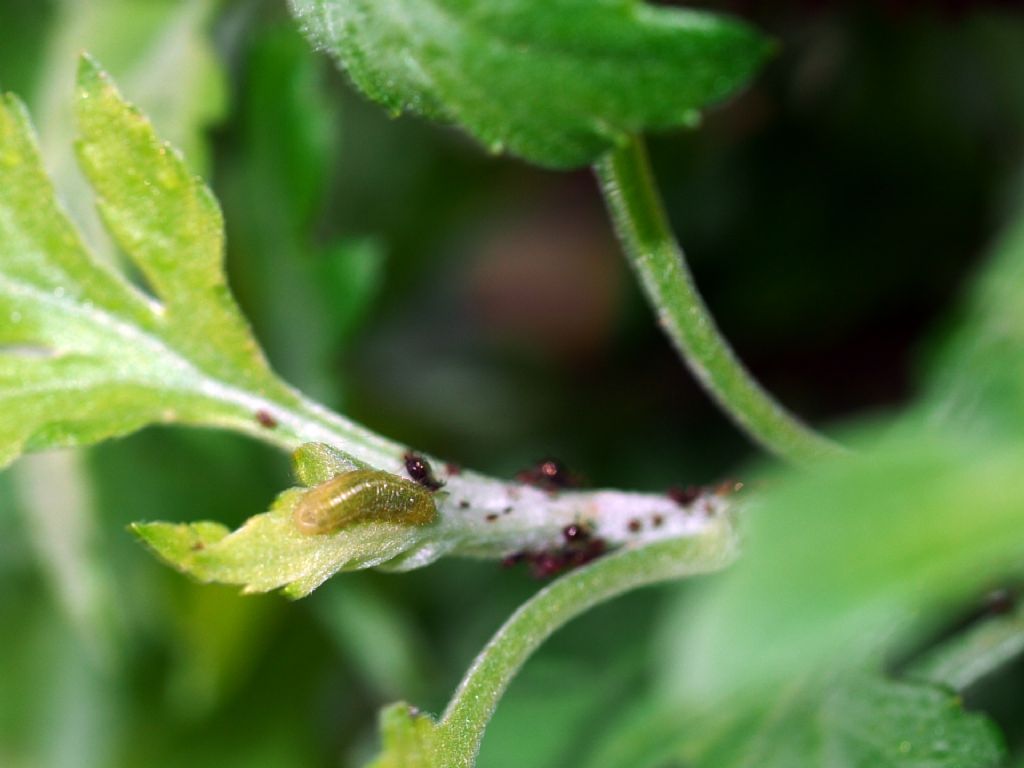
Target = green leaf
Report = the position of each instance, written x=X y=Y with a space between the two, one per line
x=976 y=380
x=282 y=163
x=866 y=721
x=557 y=82
x=318 y=462
x=409 y=739
x=861 y=720
x=859 y=555
x=84 y=353
x=268 y=552
x=974 y=653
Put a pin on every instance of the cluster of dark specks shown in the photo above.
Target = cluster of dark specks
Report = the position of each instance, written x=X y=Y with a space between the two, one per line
x=419 y=469
x=580 y=546
x=550 y=475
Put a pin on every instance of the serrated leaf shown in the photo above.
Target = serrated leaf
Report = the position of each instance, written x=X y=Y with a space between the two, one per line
x=268 y=552
x=557 y=82
x=84 y=354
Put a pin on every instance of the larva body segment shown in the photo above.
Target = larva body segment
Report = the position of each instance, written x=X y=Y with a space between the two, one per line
x=360 y=496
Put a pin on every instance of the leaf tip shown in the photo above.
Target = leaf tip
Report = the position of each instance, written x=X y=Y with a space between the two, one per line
x=90 y=73
x=178 y=543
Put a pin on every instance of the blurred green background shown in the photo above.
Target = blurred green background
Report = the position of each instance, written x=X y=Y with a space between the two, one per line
x=477 y=309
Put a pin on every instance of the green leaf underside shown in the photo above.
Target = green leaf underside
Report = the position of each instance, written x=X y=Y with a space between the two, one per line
x=557 y=82
x=84 y=353
x=863 y=722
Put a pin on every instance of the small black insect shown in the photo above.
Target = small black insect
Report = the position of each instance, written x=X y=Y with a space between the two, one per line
x=420 y=471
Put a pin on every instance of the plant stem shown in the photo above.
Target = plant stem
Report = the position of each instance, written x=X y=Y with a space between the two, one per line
x=643 y=229
x=461 y=728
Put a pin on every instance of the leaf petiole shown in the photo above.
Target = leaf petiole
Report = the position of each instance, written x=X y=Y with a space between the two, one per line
x=643 y=229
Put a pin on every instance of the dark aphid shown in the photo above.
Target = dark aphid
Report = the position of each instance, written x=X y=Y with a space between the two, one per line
x=547 y=564
x=634 y=525
x=549 y=474
x=999 y=602
x=491 y=517
x=361 y=496
x=684 y=496
x=657 y=521
x=420 y=471
x=575 y=532
x=266 y=419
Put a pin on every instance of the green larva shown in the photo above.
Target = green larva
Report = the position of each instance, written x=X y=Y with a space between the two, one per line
x=361 y=496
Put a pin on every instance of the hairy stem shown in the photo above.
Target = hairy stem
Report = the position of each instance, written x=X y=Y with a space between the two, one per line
x=461 y=728
x=643 y=228
x=482 y=516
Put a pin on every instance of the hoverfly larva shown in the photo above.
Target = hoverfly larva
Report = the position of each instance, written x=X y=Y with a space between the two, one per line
x=361 y=496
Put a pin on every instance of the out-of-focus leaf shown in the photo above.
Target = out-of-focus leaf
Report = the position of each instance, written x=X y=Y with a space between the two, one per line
x=557 y=82
x=85 y=355
x=384 y=644
x=863 y=720
x=871 y=548
x=19 y=69
x=973 y=654
x=976 y=382
x=307 y=298
x=159 y=51
x=861 y=551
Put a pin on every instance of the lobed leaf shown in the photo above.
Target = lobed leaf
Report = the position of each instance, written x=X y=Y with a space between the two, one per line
x=557 y=82
x=84 y=353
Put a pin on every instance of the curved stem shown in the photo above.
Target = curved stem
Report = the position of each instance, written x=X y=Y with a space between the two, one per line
x=461 y=728
x=643 y=229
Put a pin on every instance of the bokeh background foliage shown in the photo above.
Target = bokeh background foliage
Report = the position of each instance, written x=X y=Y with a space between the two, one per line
x=477 y=308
